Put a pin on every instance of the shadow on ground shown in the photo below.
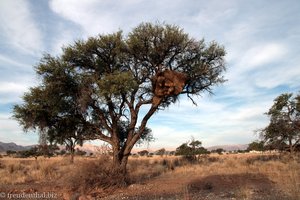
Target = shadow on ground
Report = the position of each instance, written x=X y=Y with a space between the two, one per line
x=234 y=186
x=214 y=187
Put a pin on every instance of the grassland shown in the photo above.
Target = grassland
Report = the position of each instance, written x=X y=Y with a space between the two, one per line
x=235 y=176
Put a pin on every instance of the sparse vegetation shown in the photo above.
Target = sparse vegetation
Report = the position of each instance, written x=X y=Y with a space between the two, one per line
x=240 y=176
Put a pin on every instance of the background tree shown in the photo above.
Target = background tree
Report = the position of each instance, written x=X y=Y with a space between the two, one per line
x=32 y=152
x=284 y=127
x=143 y=153
x=184 y=150
x=10 y=152
x=161 y=152
x=105 y=81
x=218 y=151
x=256 y=146
x=191 y=149
x=195 y=145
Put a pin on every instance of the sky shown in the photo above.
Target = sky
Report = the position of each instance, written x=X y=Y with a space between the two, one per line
x=261 y=38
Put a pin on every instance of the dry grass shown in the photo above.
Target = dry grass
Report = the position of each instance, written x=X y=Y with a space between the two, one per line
x=244 y=175
x=282 y=172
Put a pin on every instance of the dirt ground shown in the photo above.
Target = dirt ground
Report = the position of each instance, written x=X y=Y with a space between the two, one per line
x=194 y=186
x=225 y=179
x=171 y=186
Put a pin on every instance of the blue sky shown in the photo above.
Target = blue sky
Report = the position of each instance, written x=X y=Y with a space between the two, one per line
x=262 y=40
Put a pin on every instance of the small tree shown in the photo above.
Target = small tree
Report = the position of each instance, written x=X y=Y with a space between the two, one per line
x=101 y=85
x=10 y=152
x=284 y=127
x=256 y=146
x=191 y=149
x=195 y=145
x=161 y=152
x=184 y=150
x=218 y=151
x=143 y=153
x=32 y=152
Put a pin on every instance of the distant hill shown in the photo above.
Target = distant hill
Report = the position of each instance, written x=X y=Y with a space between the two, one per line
x=234 y=147
x=12 y=147
x=89 y=148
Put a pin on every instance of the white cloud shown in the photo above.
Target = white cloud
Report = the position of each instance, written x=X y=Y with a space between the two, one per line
x=19 y=27
x=89 y=14
x=65 y=38
x=11 y=92
x=11 y=132
x=107 y=16
x=262 y=55
x=12 y=87
x=10 y=62
x=257 y=67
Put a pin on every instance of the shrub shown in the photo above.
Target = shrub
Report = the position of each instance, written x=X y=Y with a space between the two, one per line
x=92 y=174
x=263 y=158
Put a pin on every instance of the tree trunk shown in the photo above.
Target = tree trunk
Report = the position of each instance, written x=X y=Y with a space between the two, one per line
x=72 y=153
x=72 y=158
x=120 y=160
x=291 y=146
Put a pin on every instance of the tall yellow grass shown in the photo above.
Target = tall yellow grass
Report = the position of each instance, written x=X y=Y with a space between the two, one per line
x=283 y=171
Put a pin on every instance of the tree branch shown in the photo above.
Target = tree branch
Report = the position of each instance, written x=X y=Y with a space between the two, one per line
x=102 y=118
x=131 y=141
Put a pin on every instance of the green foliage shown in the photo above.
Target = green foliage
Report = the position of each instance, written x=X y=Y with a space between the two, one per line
x=191 y=149
x=40 y=150
x=218 y=151
x=10 y=152
x=284 y=127
x=256 y=146
x=161 y=152
x=143 y=153
x=46 y=150
x=183 y=149
x=32 y=152
x=117 y=83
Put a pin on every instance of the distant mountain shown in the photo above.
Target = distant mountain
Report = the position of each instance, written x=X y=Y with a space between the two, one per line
x=234 y=147
x=95 y=149
x=12 y=147
x=90 y=148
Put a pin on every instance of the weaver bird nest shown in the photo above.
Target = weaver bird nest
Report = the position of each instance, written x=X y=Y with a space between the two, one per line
x=167 y=83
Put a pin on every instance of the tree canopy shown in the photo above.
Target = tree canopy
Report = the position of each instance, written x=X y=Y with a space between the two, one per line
x=256 y=146
x=191 y=149
x=284 y=127
x=97 y=87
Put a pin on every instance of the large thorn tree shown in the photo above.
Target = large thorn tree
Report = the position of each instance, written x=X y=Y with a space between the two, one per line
x=97 y=87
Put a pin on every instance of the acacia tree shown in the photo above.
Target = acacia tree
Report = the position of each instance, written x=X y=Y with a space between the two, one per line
x=284 y=126
x=256 y=146
x=112 y=77
x=191 y=149
x=52 y=110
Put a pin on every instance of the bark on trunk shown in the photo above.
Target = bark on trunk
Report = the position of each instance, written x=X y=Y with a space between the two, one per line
x=72 y=153
x=291 y=146
x=72 y=158
x=120 y=162
x=119 y=167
